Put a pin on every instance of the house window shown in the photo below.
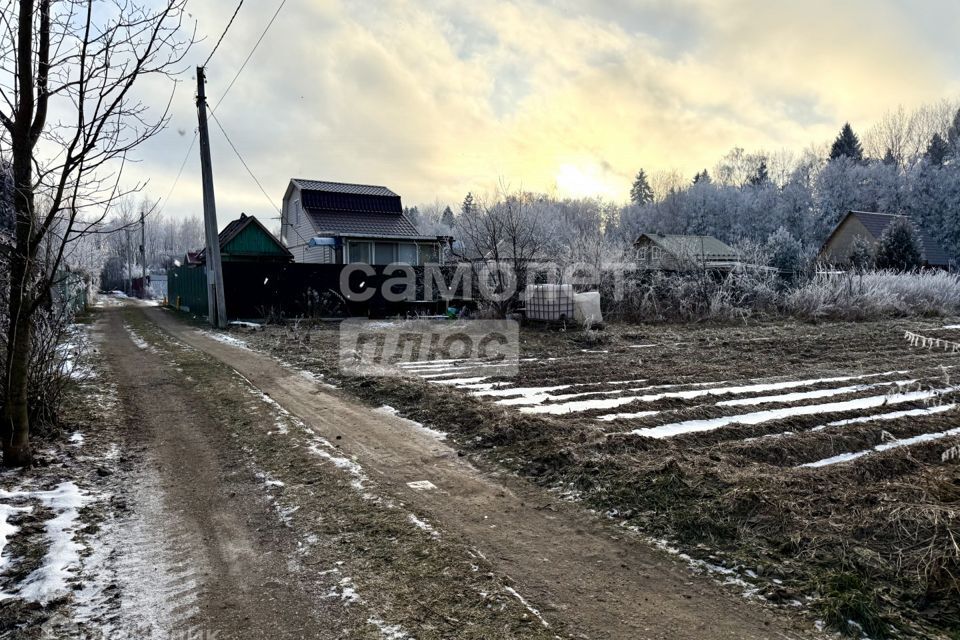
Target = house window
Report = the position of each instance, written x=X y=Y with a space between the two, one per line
x=407 y=253
x=656 y=254
x=429 y=254
x=385 y=253
x=360 y=252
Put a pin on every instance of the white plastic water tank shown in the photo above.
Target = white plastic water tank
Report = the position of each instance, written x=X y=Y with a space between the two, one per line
x=587 y=308
x=550 y=302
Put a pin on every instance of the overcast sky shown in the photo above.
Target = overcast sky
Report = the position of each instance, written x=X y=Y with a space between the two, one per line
x=438 y=98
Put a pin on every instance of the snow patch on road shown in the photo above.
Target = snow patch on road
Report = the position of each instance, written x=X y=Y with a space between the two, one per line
x=529 y=607
x=62 y=559
x=225 y=338
x=390 y=411
x=423 y=525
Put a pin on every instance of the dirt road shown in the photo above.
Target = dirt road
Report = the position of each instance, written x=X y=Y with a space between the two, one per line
x=565 y=571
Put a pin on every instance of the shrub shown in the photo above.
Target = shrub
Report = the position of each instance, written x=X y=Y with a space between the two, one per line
x=899 y=247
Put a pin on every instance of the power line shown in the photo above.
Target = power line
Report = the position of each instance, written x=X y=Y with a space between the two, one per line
x=222 y=35
x=250 y=55
x=244 y=163
x=179 y=173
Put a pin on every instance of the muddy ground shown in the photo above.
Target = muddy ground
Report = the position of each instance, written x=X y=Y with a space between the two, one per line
x=866 y=546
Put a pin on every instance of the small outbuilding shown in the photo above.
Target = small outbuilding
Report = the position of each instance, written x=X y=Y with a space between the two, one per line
x=870 y=226
x=683 y=253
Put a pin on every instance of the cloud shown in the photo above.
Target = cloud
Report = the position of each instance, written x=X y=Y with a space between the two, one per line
x=437 y=99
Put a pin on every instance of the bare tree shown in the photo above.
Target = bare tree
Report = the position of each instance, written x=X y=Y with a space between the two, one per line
x=71 y=117
x=501 y=240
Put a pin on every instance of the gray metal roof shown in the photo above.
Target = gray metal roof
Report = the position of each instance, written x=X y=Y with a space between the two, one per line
x=695 y=247
x=366 y=223
x=876 y=224
x=343 y=187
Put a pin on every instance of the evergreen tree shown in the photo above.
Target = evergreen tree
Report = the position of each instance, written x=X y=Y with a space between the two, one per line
x=889 y=159
x=467 y=207
x=938 y=150
x=953 y=133
x=641 y=193
x=703 y=177
x=847 y=145
x=785 y=251
x=899 y=246
x=761 y=176
x=862 y=256
x=446 y=218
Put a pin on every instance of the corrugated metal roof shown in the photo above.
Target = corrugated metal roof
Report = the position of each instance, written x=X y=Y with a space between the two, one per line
x=876 y=224
x=343 y=187
x=696 y=247
x=371 y=223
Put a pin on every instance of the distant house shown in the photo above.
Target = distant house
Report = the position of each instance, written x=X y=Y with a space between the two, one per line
x=245 y=240
x=682 y=253
x=337 y=223
x=870 y=226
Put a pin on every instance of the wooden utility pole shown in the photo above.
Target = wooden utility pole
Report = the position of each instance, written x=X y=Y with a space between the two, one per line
x=143 y=255
x=216 y=305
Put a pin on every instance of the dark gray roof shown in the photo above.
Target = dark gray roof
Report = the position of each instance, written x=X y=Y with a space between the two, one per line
x=343 y=187
x=337 y=208
x=876 y=223
x=368 y=223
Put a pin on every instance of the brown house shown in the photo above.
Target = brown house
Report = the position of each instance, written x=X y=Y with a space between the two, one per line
x=870 y=226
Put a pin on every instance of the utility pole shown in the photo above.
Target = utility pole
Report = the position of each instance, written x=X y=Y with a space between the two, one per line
x=143 y=254
x=216 y=305
x=128 y=252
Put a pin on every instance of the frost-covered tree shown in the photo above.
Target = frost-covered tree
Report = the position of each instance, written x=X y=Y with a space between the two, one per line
x=640 y=192
x=937 y=150
x=785 y=251
x=889 y=159
x=761 y=176
x=953 y=133
x=847 y=145
x=862 y=255
x=899 y=247
x=467 y=207
x=447 y=217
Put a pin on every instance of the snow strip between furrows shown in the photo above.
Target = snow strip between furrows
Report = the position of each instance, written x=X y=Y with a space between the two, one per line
x=884 y=446
x=610 y=403
x=758 y=417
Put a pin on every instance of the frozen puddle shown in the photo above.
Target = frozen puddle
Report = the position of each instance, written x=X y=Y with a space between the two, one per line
x=758 y=417
x=885 y=446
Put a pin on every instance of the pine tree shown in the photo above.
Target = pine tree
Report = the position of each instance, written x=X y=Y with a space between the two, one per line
x=641 y=193
x=703 y=177
x=899 y=246
x=847 y=145
x=862 y=256
x=953 y=133
x=785 y=251
x=761 y=176
x=888 y=158
x=938 y=150
x=467 y=207
x=446 y=218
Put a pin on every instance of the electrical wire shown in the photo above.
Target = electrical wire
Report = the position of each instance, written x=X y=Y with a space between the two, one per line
x=244 y=163
x=249 y=55
x=222 y=35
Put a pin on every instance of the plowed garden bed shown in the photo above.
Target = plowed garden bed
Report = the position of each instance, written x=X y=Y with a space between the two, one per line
x=811 y=465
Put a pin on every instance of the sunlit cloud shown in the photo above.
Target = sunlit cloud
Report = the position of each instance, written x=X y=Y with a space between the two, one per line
x=567 y=97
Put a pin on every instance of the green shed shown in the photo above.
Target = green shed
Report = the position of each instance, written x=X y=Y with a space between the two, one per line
x=243 y=240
